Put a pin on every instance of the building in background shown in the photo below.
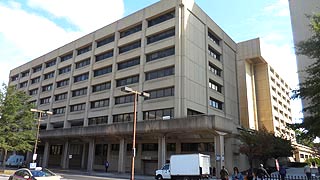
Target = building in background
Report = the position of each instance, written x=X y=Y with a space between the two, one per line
x=173 y=51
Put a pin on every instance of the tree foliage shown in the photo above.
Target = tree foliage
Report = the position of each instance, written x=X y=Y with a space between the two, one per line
x=17 y=130
x=309 y=89
x=262 y=145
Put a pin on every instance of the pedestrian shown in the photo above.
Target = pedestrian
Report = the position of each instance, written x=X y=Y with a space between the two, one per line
x=262 y=172
x=250 y=174
x=106 y=165
x=282 y=172
x=236 y=174
x=307 y=171
x=224 y=173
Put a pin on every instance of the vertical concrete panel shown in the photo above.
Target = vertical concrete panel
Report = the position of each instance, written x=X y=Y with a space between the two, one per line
x=91 y=155
x=45 y=154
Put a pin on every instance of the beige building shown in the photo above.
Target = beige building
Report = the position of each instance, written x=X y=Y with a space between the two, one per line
x=171 y=50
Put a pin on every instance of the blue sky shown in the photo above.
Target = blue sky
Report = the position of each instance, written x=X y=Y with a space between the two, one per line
x=31 y=28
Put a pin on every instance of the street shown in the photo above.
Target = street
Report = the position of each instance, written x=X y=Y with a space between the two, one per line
x=74 y=177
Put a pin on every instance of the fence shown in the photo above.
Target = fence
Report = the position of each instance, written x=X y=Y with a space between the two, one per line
x=292 y=177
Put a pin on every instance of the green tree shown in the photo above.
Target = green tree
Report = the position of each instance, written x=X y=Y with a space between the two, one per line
x=309 y=89
x=17 y=130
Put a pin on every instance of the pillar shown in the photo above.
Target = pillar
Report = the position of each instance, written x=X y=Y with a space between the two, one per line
x=65 y=156
x=91 y=151
x=161 y=151
x=122 y=156
x=45 y=155
x=84 y=156
x=219 y=150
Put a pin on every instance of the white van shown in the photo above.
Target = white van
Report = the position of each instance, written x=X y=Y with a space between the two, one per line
x=15 y=160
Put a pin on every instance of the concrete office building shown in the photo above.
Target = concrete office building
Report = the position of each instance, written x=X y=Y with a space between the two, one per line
x=171 y=50
x=301 y=30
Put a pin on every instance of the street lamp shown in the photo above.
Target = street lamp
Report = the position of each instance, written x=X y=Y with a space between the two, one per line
x=136 y=93
x=38 y=127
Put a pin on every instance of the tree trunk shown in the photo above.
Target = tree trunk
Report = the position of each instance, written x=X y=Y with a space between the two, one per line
x=4 y=159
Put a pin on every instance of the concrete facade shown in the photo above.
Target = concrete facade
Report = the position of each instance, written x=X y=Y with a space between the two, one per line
x=170 y=49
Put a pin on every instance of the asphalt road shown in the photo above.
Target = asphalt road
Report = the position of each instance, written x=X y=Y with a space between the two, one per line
x=74 y=177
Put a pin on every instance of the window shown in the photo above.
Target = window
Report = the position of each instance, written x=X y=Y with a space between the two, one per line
x=101 y=87
x=104 y=55
x=56 y=150
x=51 y=63
x=78 y=107
x=213 y=53
x=161 y=18
x=115 y=147
x=130 y=46
x=37 y=68
x=215 y=103
x=128 y=80
x=33 y=92
x=160 y=36
x=185 y=147
x=171 y=147
x=102 y=71
x=150 y=147
x=129 y=63
x=214 y=69
x=81 y=77
x=47 y=88
x=66 y=57
x=105 y=41
x=101 y=150
x=215 y=86
x=124 y=99
x=158 y=114
x=60 y=110
x=160 y=73
x=59 y=97
x=123 y=117
x=99 y=103
x=83 y=63
x=25 y=73
x=14 y=78
x=98 y=120
x=45 y=100
x=48 y=75
x=84 y=50
x=159 y=93
x=79 y=92
x=23 y=84
x=62 y=83
x=191 y=112
x=213 y=37
x=160 y=54
x=65 y=69
x=131 y=31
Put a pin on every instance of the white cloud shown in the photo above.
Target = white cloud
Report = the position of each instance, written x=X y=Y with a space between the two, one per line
x=280 y=8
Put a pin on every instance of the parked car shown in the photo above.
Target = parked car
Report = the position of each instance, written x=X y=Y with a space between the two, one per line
x=15 y=160
x=34 y=174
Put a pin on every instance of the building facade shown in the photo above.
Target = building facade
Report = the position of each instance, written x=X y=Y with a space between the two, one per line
x=171 y=50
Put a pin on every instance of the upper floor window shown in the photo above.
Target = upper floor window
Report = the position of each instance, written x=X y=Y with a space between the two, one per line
x=15 y=77
x=81 y=77
x=99 y=103
x=101 y=87
x=98 y=120
x=129 y=63
x=84 y=50
x=158 y=114
x=160 y=36
x=159 y=93
x=78 y=107
x=60 y=110
x=45 y=100
x=213 y=38
x=128 y=80
x=215 y=70
x=105 y=41
x=215 y=86
x=66 y=57
x=59 y=97
x=23 y=84
x=160 y=54
x=25 y=73
x=37 y=68
x=65 y=69
x=79 y=92
x=62 y=83
x=102 y=71
x=131 y=30
x=104 y=55
x=123 y=117
x=124 y=99
x=161 y=18
x=83 y=63
x=130 y=46
x=33 y=92
x=160 y=73
x=47 y=88
x=51 y=63
x=215 y=103
x=213 y=53
x=35 y=80
x=49 y=75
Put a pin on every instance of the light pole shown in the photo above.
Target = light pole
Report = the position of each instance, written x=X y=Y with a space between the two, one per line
x=38 y=128
x=136 y=93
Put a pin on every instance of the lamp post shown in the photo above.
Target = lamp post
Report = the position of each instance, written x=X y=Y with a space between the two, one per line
x=38 y=128
x=136 y=93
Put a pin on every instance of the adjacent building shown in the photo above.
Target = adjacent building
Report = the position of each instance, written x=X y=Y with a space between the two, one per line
x=172 y=50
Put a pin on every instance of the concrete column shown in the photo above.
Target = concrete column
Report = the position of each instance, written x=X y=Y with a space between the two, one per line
x=83 y=158
x=45 y=154
x=91 y=151
x=109 y=153
x=28 y=158
x=122 y=156
x=219 y=150
x=178 y=147
x=162 y=149
x=65 y=156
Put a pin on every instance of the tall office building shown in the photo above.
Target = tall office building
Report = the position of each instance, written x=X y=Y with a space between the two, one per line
x=301 y=30
x=171 y=50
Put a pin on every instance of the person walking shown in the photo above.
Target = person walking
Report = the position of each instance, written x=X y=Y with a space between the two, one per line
x=106 y=165
x=282 y=172
x=307 y=171
x=224 y=173
x=236 y=174
x=250 y=174
x=262 y=172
